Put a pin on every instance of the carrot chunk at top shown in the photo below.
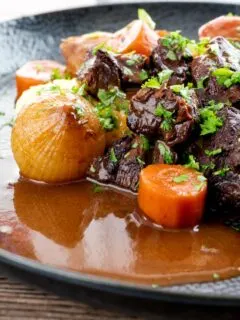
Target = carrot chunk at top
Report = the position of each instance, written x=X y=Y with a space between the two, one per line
x=136 y=36
x=37 y=72
x=226 y=26
x=172 y=195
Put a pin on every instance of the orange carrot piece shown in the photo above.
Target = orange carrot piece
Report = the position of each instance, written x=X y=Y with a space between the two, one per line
x=36 y=72
x=136 y=36
x=172 y=195
x=226 y=26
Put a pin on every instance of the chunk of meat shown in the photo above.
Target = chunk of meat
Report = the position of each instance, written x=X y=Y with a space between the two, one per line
x=100 y=72
x=143 y=118
x=221 y=53
x=122 y=163
x=106 y=70
x=222 y=168
x=76 y=50
x=160 y=61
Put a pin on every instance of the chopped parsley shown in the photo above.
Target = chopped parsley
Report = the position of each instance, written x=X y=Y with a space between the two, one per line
x=192 y=163
x=127 y=71
x=210 y=121
x=166 y=115
x=214 y=152
x=171 y=55
x=156 y=82
x=222 y=172
x=135 y=145
x=185 y=92
x=112 y=156
x=202 y=183
x=209 y=166
x=97 y=188
x=81 y=91
x=143 y=75
x=110 y=101
x=165 y=153
x=200 y=83
x=144 y=143
x=140 y=161
x=102 y=46
x=226 y=77
x=145 y=17
x=58 y=74
x=181 y=178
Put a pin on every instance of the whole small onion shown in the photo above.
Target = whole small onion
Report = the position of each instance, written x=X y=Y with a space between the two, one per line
x=55 y=138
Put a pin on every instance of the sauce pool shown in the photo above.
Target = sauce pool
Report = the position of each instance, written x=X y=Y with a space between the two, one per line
x=74 y=227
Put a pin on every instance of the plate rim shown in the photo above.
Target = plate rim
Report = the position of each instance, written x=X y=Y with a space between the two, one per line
x=104 y=283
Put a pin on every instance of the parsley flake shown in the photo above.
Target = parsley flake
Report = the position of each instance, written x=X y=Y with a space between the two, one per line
x=165 y=153
x=210 y=122
x=192 y=163
x=222 y=172
x=112 y=156
x=181 y=178
x=214 y=152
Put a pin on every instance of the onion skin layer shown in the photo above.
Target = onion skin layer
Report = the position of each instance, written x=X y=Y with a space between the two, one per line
x=51 y=143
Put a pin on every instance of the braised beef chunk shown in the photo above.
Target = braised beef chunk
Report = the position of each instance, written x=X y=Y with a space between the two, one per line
x=220 y=54
x=219 y=157
x=162 y=60
x=122 y=163
x=162 y=153
x=100 y=72
x=106 y=70
x=161 y=113
x=104 y=168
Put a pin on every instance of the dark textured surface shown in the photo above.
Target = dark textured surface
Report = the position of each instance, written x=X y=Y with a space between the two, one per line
x=39 y=37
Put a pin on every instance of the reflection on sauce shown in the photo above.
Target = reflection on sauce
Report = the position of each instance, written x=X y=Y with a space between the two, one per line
x=72 y=227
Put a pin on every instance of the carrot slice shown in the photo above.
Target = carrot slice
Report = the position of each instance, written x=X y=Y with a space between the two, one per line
x=172 y=195
x=36 y=72
x=226 y=26
x=136 y=36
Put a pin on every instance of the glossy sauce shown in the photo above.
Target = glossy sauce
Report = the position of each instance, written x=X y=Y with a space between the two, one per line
x=73 y=227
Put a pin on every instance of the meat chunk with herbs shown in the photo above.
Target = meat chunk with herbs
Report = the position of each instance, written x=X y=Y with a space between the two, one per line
x=166 y=113
x=218 y=155
x=162 y=153
x=217 y=72
x=171 y=54
x=122 y=163
x=106 y=70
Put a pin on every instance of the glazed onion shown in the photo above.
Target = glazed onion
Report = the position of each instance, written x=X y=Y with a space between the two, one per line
x=55 y=138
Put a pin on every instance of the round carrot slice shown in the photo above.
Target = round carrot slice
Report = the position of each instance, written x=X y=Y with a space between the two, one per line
x=136 y=36
x=226 y=26
x=172 y=195
x=37 y=72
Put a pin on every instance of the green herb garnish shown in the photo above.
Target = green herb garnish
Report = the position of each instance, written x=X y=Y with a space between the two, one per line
x=210 y=121
x=226 y=77
x=112 y=156
x=97 y=188
x=214 y=152
x=165 y=153
x=143 y=75
x=167 y=122
x=181 y=178
x=140 y=161
x=192 y=163
x=144 y=143
x=156 y=82
x=222 y=172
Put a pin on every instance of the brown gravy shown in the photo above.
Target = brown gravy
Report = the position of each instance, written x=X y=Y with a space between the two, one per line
x=73 y=227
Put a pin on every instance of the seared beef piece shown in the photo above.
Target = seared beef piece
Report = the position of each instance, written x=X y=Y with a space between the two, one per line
x=100 y=72
x=131 y=67
x=122 y=169
x=106 y=70
x=163 y=153
x=224 y=191
x=221 y=53
x=130 y=166
x=159 y=61
x=104 y=168
x=142 y=118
